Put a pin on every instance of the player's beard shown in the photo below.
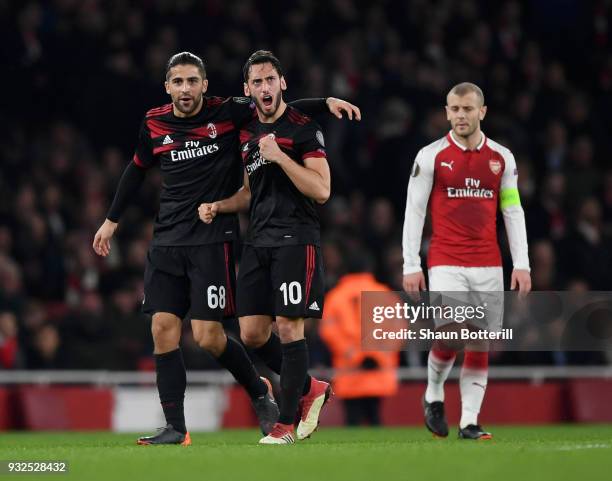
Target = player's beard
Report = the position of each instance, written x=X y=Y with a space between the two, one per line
x=195 y=104
x=276 y=101
x=465 y=133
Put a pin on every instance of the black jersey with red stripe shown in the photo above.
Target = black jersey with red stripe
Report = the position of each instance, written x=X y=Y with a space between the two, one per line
x=199 y=162
x=280 y=214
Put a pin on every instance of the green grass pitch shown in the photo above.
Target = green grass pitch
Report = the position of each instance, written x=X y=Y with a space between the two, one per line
x=563 y=452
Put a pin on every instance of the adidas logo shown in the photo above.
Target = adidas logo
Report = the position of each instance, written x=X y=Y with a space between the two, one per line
x=288 y=439
x=167 y=140
x=314 y=306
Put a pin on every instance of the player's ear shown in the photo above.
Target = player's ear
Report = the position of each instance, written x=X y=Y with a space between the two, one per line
x=204 y=86
x=447 y=112
x=283 y=84
x=167 y=86
x=483 y=112
x=247 y=91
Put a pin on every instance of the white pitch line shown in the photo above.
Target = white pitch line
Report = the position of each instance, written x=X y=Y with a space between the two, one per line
x=574 y=447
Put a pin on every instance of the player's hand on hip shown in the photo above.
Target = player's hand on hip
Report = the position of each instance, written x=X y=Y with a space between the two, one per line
x=101 y=242
x=413 y=283
x=208 y=212
x=337 y=106
x=521 y=278
x=269 y=149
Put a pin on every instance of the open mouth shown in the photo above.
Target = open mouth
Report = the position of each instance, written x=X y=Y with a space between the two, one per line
x=267 y=100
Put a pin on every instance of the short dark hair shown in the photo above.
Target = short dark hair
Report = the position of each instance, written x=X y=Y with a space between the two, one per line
x=185 y=58
x=465 y=88
x=259 y=57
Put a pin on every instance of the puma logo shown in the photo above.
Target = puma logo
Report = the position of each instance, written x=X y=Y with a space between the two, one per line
x=483 y=386
x=447 y=164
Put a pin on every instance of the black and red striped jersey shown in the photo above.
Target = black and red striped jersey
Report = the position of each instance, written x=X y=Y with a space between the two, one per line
x=199 y=161
x=279 y=213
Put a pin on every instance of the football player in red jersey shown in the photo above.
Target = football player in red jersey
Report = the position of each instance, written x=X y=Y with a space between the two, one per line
x=464 y=176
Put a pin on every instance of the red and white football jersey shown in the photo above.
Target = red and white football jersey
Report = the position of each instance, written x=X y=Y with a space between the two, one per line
x=463 y=188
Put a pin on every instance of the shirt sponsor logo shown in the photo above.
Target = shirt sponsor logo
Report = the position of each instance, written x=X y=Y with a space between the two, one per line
x=193 y=150
x=471 y=190
x=257 y=162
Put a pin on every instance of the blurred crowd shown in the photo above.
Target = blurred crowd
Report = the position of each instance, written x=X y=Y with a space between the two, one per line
x=81 y=74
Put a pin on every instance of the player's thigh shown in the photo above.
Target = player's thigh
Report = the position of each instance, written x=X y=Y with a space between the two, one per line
x=448 y=278
x=485 y=279
x=166 y=286
x=298 y=280
x=254 y=296
x=487 y=292
x=449 y=288
x=213 y=281
x=255 y=330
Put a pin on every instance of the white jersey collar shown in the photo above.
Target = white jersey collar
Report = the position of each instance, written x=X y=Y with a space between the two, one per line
x=463 y=147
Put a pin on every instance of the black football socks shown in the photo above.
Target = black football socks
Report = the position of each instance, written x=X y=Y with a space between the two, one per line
x=171 y=385
x=271 y=353
x=236 y=360
x=292 y=377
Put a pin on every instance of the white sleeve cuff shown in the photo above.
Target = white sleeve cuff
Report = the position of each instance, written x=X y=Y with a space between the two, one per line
x=412 y=269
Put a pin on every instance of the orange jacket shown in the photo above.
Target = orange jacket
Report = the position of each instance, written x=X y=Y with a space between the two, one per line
x=340 y=329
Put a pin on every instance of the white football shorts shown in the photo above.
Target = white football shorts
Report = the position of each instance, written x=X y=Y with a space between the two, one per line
x=481 y=287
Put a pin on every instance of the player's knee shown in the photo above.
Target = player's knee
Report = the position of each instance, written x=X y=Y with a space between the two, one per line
x=254 y=338
x=165 y=329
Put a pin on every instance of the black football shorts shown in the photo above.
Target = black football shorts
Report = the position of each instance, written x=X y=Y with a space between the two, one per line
x=200 y=280
x=281 y=281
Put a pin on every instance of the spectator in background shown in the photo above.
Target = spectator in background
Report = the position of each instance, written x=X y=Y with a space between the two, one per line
x=9 y=345
x=586 y=249
x=47 y=350
x=547 y=218
x=584 y=177
x=544 y=266
x=362 y=378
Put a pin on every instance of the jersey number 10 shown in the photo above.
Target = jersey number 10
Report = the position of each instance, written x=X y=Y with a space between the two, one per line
x=292 y=292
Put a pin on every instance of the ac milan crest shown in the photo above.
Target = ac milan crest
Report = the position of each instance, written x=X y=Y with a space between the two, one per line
x=212 y=130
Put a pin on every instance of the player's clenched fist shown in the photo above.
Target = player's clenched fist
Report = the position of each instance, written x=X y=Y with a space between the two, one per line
x=269 y=149
x=101 y=243
x=208 y=212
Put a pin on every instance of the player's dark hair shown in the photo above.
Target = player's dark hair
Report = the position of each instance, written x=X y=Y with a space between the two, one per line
x=259 y=57
x=185 y=58
x=357 y=260
x=465 y=88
